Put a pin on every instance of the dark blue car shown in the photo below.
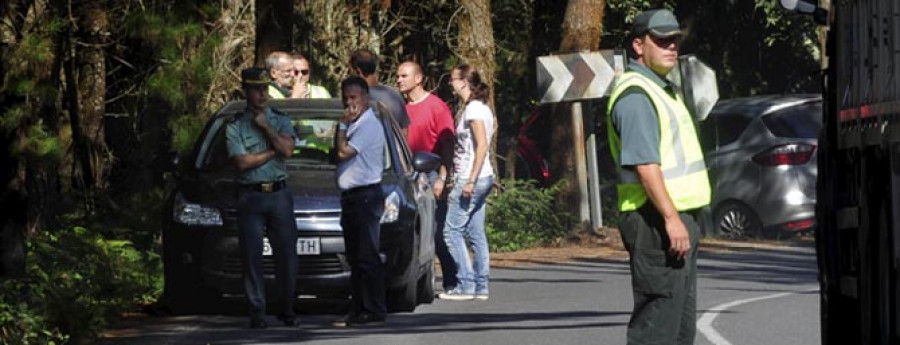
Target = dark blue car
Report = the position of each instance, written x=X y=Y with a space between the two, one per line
x=199 y=235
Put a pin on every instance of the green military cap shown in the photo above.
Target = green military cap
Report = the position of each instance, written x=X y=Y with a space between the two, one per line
x=659 y=23
x=255 y=76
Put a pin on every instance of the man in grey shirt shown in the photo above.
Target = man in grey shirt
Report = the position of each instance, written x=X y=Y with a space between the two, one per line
x=363 y=63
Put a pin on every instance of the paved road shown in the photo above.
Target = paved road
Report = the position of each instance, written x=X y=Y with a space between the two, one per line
x=758 y=296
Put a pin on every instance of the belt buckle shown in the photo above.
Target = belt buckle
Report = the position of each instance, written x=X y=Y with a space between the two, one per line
x=266 y=187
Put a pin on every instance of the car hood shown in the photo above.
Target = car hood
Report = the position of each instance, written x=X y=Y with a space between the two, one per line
x=314 y=191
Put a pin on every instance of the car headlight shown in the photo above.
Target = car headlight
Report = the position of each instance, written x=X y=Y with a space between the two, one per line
x=391 y=208
x=195 y=214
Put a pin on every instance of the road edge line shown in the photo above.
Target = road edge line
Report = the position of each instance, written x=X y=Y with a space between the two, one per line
x=704 y=324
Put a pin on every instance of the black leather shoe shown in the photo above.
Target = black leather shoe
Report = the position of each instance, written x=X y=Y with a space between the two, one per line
x=289 y=320
x=258 y=323
x=366 y=320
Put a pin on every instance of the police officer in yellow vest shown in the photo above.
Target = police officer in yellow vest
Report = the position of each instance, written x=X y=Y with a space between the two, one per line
x=663 y=180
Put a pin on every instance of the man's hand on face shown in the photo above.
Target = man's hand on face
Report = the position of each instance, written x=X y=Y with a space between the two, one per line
x=301 y=85
x=351 y=113
x=259 y=118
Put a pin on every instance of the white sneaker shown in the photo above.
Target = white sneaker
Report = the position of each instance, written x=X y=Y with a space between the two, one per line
x=481 y=296
x=456 y=295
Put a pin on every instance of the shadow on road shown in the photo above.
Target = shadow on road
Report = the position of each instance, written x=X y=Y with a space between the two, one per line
x=212 y=329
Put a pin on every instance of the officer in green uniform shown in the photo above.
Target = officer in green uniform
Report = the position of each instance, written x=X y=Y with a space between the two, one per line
x=663 y=180
x=259 y=140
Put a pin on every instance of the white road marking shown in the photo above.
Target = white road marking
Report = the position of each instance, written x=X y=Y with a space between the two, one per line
x=704 y=325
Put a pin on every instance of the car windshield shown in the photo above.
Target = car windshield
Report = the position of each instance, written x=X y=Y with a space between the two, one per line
x=802 y=121
x=314 y=142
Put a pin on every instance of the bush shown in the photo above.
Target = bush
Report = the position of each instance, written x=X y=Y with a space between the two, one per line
x=521 y=215
x=75 y=282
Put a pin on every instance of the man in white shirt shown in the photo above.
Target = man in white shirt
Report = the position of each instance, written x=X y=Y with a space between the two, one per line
x=360 y=148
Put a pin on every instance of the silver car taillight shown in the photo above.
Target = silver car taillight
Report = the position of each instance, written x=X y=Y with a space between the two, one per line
x=788 y=154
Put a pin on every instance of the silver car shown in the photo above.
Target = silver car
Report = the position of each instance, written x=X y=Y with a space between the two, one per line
x=761 y=155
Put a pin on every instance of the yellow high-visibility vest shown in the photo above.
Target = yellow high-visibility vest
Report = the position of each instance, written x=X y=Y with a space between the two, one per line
x=274 y=93
x=684 y=171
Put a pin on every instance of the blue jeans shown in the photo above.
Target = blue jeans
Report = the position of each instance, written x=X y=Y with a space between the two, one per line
x=448 y=265
x=465 y=221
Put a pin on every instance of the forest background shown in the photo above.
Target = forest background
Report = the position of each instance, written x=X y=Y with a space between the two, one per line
x=95 y=95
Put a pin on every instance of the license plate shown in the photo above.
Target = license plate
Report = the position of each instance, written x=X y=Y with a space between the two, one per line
x=305 y=246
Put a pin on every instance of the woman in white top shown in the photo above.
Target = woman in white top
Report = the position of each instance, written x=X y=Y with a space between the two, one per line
x=474 y=179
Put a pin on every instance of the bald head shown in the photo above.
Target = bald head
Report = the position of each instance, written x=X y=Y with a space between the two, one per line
x=412 y=67
x=409 y=77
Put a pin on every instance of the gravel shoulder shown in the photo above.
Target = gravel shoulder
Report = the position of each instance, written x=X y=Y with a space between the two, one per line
x=607 y=245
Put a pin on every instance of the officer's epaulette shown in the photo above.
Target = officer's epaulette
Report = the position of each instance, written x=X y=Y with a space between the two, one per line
x=232 y=117
x=278 y=111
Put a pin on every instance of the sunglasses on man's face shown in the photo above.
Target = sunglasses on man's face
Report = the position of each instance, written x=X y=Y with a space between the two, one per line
x=301 y=71
x=664 y=42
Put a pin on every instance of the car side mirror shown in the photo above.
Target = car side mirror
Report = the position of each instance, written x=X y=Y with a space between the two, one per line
x=426 y=161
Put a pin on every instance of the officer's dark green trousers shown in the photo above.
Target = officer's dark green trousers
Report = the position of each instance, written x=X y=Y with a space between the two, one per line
x=665 y=289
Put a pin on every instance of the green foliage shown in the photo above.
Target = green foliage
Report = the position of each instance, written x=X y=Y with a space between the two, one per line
x=189 y=128
x=42 y=143
x=180 y=49
x=76 y=280
x=22 y=325
x=521 y=215
x=513 y=36
x=765 y=51
x=11 y=118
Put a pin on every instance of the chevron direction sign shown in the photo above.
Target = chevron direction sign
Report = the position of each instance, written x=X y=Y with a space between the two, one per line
x=577 y=76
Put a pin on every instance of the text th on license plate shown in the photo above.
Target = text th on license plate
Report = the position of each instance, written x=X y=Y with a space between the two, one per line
x=305 y=246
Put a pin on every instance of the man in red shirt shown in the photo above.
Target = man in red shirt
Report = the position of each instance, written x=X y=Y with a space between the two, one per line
x=431 y=129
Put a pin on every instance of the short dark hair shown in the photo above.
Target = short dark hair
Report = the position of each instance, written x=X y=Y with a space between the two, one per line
x=354 y=80
x=365 y=60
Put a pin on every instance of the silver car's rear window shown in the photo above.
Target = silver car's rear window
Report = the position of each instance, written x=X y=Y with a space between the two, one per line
x=801 y=121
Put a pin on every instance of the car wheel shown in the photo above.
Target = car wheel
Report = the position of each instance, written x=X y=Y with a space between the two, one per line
x=735 y=220
x=403 y=298
x=426 y=284
x=183 y=292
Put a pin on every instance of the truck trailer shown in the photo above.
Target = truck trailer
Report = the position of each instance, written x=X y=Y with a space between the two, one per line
x=858 y=207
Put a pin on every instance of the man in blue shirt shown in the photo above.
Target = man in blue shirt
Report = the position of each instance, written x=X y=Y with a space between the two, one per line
x=258 y=141
x=360 y=148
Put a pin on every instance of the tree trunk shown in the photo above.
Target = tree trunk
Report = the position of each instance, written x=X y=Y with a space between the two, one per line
x=31 y=194
x=581 y=30
x=582 y=26
x=87 y=109
x=476 y=47
x=274 y=28
x=12 y=200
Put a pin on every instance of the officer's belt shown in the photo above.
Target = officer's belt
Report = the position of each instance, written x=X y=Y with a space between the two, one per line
x=265 y=187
